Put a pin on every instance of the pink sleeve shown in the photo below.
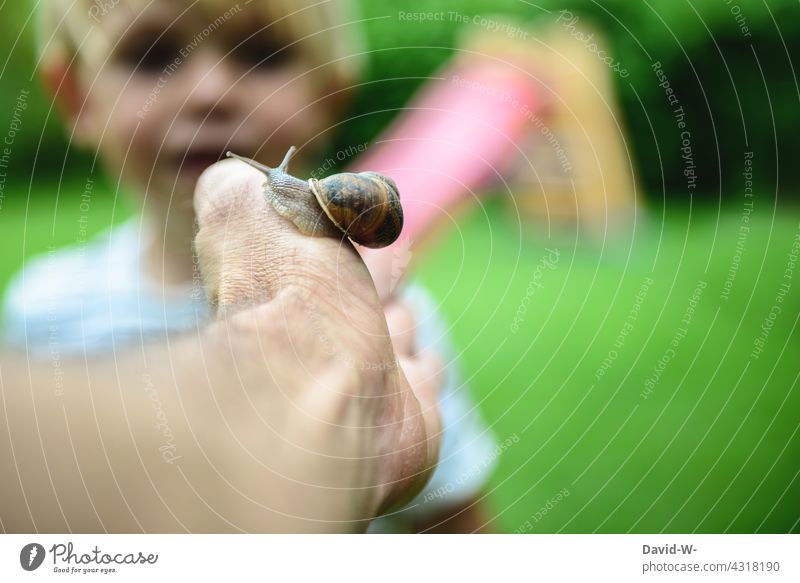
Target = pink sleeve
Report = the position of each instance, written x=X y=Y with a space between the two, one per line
x=453 y=138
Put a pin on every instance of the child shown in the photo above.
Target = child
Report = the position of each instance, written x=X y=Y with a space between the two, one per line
x=161 y=90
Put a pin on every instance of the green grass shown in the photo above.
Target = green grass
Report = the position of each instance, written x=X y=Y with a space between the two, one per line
x=714 y=447
x=36 y=219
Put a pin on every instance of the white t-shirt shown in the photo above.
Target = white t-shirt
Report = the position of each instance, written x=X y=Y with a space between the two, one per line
x=93 y=298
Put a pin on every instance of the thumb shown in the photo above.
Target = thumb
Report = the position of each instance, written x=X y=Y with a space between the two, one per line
x=248 y=253
x=233 y=229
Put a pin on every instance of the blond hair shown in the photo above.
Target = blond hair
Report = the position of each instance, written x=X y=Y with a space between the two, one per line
x=327 y=31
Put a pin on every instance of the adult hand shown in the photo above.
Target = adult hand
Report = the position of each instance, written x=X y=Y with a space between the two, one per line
x=288 y=413
x=355 y=434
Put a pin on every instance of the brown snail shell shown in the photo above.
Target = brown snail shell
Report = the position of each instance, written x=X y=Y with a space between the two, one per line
x=365 y=206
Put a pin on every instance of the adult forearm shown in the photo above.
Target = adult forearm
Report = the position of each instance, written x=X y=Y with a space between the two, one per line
x=100 y=444
x=203 y=433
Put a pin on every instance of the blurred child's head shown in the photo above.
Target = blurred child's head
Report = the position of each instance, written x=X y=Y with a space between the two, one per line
x=162 y=88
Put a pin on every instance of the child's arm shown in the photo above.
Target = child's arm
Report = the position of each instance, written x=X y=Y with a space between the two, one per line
x=452 y=139
x=456 y=136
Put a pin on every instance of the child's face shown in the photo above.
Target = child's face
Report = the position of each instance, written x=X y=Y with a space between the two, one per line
x=181 y=83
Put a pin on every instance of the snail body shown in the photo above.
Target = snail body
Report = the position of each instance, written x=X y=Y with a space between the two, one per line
x=363 y=206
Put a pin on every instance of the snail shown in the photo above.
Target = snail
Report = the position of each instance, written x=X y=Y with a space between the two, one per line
x=364 y=206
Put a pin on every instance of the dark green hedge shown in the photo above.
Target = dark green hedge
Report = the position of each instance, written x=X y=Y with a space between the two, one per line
x=738 y=87
x=739 y=91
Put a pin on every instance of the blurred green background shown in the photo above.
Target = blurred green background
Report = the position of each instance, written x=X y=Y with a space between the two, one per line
x=715 y=447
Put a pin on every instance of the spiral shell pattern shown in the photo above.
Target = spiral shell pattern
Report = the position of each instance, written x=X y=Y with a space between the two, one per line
x=365 y=206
